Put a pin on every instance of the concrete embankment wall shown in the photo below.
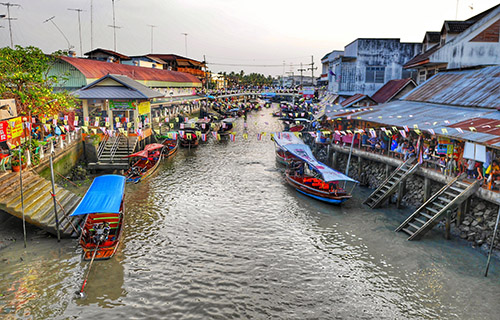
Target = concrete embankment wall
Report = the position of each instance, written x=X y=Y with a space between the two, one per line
x=63 y=163
x=474 y=221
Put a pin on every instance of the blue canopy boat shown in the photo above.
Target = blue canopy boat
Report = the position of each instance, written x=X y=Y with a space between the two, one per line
x=315 y=179
x=103 y=205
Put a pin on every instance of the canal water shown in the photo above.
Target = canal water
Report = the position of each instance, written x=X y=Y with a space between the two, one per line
x=218 y=234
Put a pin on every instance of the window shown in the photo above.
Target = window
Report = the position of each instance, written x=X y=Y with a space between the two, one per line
x=375 y=74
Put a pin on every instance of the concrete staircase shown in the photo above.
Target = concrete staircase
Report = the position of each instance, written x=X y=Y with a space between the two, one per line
x=389 y=186
x=446 y=199
x=38 y=203
x=112 y=152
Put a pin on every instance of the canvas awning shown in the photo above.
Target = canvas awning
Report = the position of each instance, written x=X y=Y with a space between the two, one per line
x=104 y=196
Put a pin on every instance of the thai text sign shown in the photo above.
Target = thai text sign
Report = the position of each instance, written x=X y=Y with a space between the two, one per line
x=16 y=127
x=144 y=107
x=121 y=105
x=4 y=131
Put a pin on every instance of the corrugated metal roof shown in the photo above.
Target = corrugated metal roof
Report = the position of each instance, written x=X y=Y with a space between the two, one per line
x=355 y=98
x=426 y=116
x=93 y=69
x=457 y=26
x=110 y=52
x=130 y=89
x=390 y=89
x=421 y=58
x=471 y=88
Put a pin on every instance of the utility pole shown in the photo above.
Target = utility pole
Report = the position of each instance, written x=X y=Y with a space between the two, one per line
x=301 y=70
x=79 y=28
x=51 y=19
x=185 y=41
x=283 y=77
x=8 y=5
x=114 y=25
x=152 y=26
x=91 y=25
x=312 y=68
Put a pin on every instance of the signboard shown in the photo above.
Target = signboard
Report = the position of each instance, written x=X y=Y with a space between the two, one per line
x=144 y=108
x=121 y=105
x=4 y=131
x=475 y=151
x=308 y=92
x=16 y=127
x=7 y=109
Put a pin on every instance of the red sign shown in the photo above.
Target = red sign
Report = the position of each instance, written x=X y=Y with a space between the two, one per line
x=4 y=131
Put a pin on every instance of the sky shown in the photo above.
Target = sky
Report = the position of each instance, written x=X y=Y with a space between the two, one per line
x=233 y=35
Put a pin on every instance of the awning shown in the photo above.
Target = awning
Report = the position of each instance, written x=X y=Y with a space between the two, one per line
x=304 y=153
x=284 y=138
x=153 y=146
x=104 y=196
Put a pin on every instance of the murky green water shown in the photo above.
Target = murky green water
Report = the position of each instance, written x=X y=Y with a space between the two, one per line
x=217 y=234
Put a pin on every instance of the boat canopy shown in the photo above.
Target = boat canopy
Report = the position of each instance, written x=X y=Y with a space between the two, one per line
x=104 y=196
x=283 y=138
x=153 y=146
x=304 y=153
x=229 y=120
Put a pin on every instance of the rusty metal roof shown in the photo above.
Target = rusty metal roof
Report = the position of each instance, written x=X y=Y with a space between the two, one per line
x=390 y=89
x=468 y=88
x=427 y=116
x=355 y=98
x=93 y=69
x=421 y=58
x=109 y=52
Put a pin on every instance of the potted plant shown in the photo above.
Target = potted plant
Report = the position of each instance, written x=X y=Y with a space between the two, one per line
x=16 y=162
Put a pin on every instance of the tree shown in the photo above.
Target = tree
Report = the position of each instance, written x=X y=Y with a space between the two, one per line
x=23 y=77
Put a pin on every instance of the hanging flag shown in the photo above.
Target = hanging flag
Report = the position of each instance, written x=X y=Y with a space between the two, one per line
x=406 y=128
x=245 y=136
x=443 y=130
x=459 y=130
x=214 y=134
x=181 y=126
x=259 y=136
x=232 y=137
x=431 y=131
x=403 y=133
x=203 y=137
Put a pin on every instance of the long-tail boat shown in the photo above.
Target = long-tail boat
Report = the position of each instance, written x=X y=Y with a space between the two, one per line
x=226 y=126
x=171 y=144
x=281 y=139
x=147 y=164
x=314 y=179
x=103 y=205
x=188 y=138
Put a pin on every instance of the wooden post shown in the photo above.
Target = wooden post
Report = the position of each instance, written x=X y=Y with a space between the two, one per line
x=401 y=191
x=492 y=243
x=334 y=160
x=22 y=195
x=360 y=166
x=427 y=189
x=387 y=170
x=460 y=214
x=54 y=199
x=447 y=225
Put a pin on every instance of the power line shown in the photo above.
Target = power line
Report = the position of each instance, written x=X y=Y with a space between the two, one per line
x=152 y=26
x=51 y=19
x=251 y=65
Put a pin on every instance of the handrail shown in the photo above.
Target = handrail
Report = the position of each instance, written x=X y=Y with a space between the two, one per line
x=115 y=145
x=430 y=200
x=103 y=142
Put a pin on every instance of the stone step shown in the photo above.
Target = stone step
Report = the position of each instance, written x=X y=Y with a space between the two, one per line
x=40 y=211
x=41 y=197
x=14 y=186
x=30 y=195
x=49 y=215
x=69 y=203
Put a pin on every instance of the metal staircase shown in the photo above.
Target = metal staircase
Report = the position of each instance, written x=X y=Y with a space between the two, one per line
x=390 y=184
x=448 y=198
x=38 y=202
x=111 y=152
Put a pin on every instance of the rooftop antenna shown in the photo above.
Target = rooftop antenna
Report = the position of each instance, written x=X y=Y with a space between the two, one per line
x=185 y=42
x=79 y=28
x=456 y=13
x=91 y=25
x=152 y=26
x=8 y=5
x=114 y=25
x=51 y=19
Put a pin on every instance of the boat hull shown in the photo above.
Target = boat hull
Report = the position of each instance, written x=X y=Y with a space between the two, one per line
x=316 y=193
x=107 y=249
x=148 y=167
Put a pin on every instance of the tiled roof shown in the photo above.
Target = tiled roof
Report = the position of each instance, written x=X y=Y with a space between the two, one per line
x=457 y=26
x=421 y=58
x=353 y=99
x=93 y=69
x=110 y=52
x=390 y=89
x=432 y=36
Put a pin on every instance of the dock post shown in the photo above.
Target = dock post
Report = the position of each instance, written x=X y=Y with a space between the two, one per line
x=492 y=243
x=460 y=213
x=329 y=153
x=334 y=160
x=22 y=195
x=54 y=198
x=360 y=167
x=387 y=170
x=427 y=189
x=401 y=191
x=447 y=225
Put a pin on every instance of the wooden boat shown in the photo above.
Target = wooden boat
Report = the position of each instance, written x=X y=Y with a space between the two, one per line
x=103 y=226
x=226 y=126
x=170 y=147
x=314 y=179
x=147 y=164
x=188 y=138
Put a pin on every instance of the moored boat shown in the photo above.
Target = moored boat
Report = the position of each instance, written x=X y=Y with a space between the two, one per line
x=226 y=126
x=281 y=139
x=189 y=138
x=147 y=164
x=314 y=179
x=103 y=204
x=171 y=146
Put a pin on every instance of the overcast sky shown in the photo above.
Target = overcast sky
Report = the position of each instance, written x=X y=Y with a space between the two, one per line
x=238 y=32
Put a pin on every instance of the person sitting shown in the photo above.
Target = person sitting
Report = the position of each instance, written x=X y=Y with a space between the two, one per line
x=410 y=152
x=373 y=143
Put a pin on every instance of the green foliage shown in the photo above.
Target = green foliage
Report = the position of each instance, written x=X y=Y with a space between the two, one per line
x=252 y=79
x=23 y=76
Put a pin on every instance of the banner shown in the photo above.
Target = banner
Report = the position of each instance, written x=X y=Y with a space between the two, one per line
x=4 y=131
x=144 y=108
x=121 y=105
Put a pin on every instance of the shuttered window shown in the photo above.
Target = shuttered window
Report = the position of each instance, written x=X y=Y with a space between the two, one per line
x=375 y=74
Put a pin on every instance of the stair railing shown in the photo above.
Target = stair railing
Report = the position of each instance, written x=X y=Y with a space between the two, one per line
x=115 y=146
x=102 y=144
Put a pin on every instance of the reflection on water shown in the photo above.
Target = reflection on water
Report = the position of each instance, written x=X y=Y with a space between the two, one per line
x=217 y=233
